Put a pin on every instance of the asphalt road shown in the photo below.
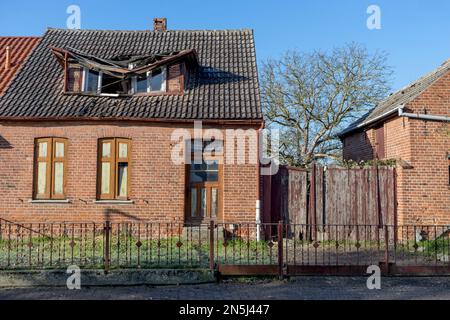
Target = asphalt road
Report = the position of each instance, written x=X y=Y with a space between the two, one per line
x=304 y=288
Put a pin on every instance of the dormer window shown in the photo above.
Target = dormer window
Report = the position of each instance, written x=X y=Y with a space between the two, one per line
x=152 y=81
x=125 y=75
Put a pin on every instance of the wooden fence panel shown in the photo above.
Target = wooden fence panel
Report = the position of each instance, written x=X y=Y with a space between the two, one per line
x=334 y=196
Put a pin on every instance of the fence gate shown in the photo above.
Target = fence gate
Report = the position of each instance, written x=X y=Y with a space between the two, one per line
x=305 y=249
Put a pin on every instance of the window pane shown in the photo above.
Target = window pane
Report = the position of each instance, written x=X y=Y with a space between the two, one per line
x=42 y=177
x=204 y=176
x=123 y=150
x=157 y=80
x=212 y=164
x=214 y=202
x=106 y=176
x=123 y=178
x=43 y=149
x=203 y=202
x=193 y=202
x=141 y=84
x=59 y=149
x=92 y=81
x=106 y=149
x=59 y=178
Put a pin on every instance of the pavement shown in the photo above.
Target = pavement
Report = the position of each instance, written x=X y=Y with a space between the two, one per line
x=301 y=288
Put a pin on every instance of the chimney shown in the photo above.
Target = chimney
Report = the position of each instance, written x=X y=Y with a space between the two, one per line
x=159 y=24
x=7 y=58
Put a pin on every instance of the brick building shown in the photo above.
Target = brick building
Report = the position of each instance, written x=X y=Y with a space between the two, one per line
x=411 y=126
x=87 y=124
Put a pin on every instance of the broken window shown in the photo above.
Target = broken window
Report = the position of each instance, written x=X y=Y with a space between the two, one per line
x=126 y=74
x=113 y=85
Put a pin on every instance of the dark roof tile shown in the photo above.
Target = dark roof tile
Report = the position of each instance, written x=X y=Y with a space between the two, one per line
x=224 y=87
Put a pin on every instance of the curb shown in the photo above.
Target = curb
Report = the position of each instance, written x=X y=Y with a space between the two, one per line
x=97 y=277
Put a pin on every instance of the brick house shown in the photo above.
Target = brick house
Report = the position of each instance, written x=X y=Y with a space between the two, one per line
x=411 y=126
x=87 y=127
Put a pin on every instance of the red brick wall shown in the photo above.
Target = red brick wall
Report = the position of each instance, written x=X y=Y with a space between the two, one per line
x=359 y=146
x=426 y=186
x=157 y=186
x=423 y=190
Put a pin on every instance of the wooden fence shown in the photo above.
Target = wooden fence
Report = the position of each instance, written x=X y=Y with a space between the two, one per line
x=331 y=196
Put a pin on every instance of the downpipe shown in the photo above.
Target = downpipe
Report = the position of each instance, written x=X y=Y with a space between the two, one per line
x=258 y=220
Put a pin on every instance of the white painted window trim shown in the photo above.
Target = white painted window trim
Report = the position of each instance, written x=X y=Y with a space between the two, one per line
x=85 y=80
x=149 y=81
x=100 y=81
x=164 y=75
x=133 y=88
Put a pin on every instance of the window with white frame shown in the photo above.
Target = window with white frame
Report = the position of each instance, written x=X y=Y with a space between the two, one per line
x=92 y=81
x=97 y=82
x=152 y=81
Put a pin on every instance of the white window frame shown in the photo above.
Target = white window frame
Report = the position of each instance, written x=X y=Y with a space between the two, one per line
x=85 y=82
x=149 y=75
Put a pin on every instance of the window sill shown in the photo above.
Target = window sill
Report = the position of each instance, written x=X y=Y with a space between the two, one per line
x=50 y=201
x=114 y=201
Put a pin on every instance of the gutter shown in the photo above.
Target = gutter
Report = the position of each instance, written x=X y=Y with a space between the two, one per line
x=250 y=122
x=428 y=117
x=365 y=123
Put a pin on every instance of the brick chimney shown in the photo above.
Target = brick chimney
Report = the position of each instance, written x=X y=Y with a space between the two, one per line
x=159 y=24
x=7 y=58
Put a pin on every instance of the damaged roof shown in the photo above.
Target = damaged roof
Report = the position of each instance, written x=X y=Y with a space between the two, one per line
x=401 y=97
x=20 y=48
x=224 y=86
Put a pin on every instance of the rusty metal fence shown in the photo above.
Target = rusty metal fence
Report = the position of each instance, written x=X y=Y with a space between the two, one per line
x=227 y=248
x=300 y=249
x=103 y=245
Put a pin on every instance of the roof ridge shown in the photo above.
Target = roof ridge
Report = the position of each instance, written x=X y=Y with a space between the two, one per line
x=444 y=65
x=148 y=30
x=401 y=96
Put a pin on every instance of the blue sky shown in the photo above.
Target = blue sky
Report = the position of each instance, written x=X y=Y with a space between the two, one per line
x=415 y=34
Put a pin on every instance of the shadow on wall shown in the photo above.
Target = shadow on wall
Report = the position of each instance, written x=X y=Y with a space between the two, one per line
x=4 y=144
x=115 y=214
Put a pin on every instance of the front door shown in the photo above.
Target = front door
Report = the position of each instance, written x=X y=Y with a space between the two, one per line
x=204 y=188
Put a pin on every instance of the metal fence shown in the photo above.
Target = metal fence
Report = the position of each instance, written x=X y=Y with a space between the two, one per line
x=102 y=245
x=233 y=249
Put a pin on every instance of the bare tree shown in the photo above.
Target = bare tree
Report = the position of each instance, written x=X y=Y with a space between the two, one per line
x=311 y=97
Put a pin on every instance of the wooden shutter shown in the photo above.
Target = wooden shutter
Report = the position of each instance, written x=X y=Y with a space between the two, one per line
x=42 y=185
x=106 y=172
x=113 y=177
x=122 y=189
x=59 y=168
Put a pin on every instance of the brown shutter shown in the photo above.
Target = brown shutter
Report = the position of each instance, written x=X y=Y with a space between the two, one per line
x=74 y=78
